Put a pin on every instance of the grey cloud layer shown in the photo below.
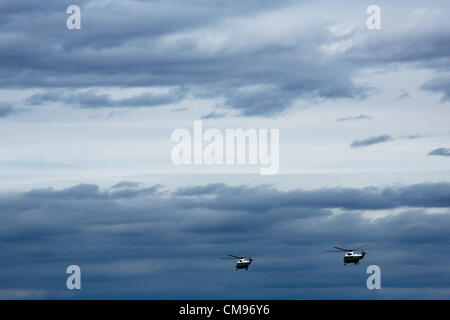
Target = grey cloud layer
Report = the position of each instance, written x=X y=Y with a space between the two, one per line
x=90 y=99
x=141 y=44
x=150 y=242
x=265 y=198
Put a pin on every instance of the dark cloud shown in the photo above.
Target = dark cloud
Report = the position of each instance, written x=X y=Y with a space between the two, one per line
x=440 y=152
x=6 y=110
x=162 y=44
x=370 y=141
x=439 y=85
x=126 y=184
x=393 y=47
x=414 y=137
x=214 y=115
x=164 y=244
x=90 y=99
x=88 y=191
x=354 y=118
x=265 y=198
x=135 y=50
x=404 y=95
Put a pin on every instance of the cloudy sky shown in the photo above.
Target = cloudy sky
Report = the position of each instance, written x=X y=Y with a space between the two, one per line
x=86 y=175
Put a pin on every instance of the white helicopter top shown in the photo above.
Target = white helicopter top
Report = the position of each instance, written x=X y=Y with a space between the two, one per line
x=350 y=255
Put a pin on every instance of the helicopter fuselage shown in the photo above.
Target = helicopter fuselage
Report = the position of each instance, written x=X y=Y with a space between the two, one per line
x=351 y=257
x=243 y=263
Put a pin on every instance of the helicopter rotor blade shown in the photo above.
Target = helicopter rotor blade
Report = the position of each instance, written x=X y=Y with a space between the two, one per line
x=342 y=249
x=235 y=257
x=361 y=248
x=365 y=247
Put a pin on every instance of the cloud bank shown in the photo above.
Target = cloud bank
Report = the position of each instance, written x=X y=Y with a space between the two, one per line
x=228 y=53
x=155 y=243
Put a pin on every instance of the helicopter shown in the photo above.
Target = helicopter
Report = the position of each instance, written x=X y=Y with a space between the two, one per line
x=242 y=262
x=350 y=255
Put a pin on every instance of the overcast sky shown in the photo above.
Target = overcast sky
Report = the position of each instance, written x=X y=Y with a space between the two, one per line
x=86 y=175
